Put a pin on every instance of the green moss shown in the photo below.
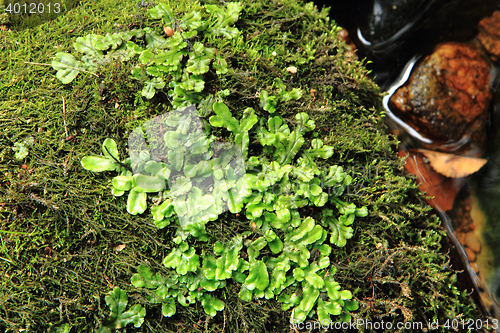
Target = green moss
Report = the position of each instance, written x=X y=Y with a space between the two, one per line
x=59 y=224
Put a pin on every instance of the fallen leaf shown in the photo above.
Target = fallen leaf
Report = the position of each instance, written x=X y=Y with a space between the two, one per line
x=443 y=190
x=120 y=247
x=451 y=165
x=169 y=31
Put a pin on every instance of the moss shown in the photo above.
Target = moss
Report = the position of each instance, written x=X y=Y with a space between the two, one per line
x=59 y=224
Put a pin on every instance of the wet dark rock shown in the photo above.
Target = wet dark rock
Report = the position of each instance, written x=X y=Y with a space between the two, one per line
x=489 y=35
x=393 y=31
x=447 y=96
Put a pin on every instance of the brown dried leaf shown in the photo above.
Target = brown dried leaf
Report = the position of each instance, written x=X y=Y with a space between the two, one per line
x=169 y=31
x=120 y=247
x=442 y=189
x=453 y=166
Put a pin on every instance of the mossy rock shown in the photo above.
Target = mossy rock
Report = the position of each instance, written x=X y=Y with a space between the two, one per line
x=60 y=225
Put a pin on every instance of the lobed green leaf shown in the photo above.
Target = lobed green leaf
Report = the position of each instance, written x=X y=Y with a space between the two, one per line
x=99 y=164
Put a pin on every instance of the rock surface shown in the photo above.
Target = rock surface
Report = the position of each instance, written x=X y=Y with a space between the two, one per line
x=472 y=230
x=447 y=96
x=489 y=35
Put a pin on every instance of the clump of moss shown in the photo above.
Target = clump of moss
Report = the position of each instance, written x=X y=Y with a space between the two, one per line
x=60 y=226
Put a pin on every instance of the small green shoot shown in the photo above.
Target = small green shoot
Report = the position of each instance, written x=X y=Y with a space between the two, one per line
x=119 y=318
x=21 y=148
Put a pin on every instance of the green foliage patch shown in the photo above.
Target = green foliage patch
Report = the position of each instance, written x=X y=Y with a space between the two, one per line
x=119 y=318
x=161 y=60
x=274 y=218
x=300 y=185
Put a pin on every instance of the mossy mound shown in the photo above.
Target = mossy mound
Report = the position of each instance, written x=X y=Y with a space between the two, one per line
x=60 y=226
